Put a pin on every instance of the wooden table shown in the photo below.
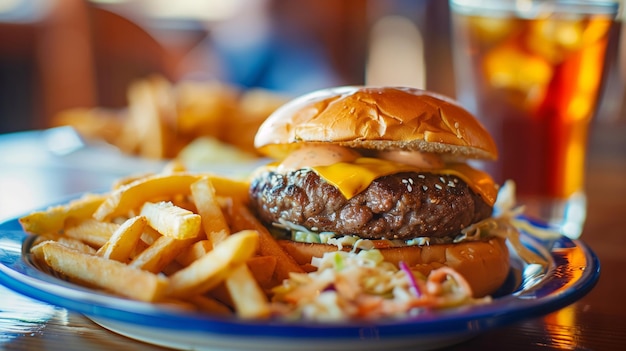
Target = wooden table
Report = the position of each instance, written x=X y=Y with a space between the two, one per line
x=596 y=322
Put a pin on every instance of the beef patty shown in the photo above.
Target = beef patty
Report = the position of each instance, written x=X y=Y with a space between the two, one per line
x=399 y=206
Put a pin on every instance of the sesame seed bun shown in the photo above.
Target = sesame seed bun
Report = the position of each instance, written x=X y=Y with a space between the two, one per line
x=377 y=118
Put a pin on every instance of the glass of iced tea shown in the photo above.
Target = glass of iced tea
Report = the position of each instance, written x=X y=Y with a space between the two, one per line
x=532 y=72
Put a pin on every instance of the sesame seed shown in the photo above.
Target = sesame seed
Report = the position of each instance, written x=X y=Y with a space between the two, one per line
x=451 y=184
x=421 y=176
x=458 y=132
x=438 y=186
x=411 y=180
x=409 y=187
x=442 y=180
x=424 y=187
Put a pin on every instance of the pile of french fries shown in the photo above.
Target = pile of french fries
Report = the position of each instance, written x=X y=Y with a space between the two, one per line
x=176 y=238
x=162 y=118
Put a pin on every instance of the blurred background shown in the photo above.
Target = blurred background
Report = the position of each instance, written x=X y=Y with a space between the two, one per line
x=62 y=54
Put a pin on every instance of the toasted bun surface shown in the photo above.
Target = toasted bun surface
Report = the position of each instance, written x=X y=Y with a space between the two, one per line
x=379 y=118
x=484 y=264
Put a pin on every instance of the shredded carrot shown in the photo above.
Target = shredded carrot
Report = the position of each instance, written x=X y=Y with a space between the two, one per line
x=356 y=287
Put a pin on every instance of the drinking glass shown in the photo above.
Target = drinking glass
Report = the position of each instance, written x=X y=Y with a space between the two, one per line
x=532 y=72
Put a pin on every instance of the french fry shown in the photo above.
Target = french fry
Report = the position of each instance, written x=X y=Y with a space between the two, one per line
x=262 y=268
x=174 y=166
x=148 y=106
x=121 y=244
x=53 y=219
x=210 y=305
x=162 y=119
x=158 y=255
x=255 y=105
x=212 y=268
x=129 y=179
x=92 y=232
x=194 y=252
x=162 y=186
x=213 y=220
x=228 y=187
x=135 y=194
x=150 y=235
x=96 y=124
x=127 y=140
x=171 y=268
x=76 y=245
x=184 y=201
x=170 y=220
x=249 y=299
x=204 y=107
x=101 y=272
x=221 y=294
x=179 y=304
x=243 y=219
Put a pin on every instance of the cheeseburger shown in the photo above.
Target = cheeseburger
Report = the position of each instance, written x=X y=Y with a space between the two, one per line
x=384 y=168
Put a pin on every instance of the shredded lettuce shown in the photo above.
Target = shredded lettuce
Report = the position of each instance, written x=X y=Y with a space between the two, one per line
x=361 y=285
x=299 y=233
x=507 y=222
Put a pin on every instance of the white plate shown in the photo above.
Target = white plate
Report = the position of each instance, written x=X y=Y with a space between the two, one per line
x=573 y=271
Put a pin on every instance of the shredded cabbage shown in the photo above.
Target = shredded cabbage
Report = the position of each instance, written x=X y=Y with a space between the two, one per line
x=361 y=285
x=299 y=233
x=507 y=223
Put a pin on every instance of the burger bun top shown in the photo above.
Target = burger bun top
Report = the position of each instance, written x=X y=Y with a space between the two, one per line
x=376 y=118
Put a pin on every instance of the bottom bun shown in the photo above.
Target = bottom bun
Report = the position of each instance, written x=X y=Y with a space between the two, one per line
x=484 y=264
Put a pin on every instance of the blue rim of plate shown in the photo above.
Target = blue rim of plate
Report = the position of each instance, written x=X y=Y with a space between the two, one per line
x=573 y=271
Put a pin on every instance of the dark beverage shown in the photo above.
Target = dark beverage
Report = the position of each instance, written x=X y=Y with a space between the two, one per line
x=534 y=83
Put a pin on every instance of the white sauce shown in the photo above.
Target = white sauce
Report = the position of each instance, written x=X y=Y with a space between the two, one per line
x=424 y=160
x=317 y=155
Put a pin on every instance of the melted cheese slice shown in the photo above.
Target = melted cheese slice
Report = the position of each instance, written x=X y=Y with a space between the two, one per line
x=352 y=178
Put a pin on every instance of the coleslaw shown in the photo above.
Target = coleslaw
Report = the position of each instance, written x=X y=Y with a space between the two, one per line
x=361 y=285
